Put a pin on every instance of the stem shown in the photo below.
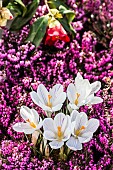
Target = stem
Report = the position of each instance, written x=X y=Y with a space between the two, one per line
x=48 y=7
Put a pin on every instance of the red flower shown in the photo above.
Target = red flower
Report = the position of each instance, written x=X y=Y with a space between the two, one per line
x=55 y=33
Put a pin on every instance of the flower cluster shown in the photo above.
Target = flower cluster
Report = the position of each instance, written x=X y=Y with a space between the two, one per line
x=75 y=128
x=23 y=68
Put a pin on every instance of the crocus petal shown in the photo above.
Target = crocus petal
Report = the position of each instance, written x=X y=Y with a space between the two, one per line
x=25 y=112
x=67 y=134
x=59 y=99
x=40 y=124
x=44 y=107
x=48 y=124
x=73 y=106
x=92 y=125
x=34 y=97
x=64 y=124
x=74 y=144
x=78 y=79
x=74 y=115
x=35 y=115
x=96 y=100
x=56 y=90
x=49 y=135
x=23 y=127
x=56 y=144
x=85 y=137
x=81 y=120
x=59 y=119
x=71 y=91
x=95 y=86
x=42 y=94
x=57 y=107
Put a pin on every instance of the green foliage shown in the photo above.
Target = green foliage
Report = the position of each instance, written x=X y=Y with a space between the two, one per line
x=69 y=14
x=24 y=17
x=18 y=7
x=56 y=3
x=38 y=30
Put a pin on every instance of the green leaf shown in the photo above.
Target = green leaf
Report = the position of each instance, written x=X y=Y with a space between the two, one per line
x=38 y=30
x=56 y=3
x=67 y=26
x=22 y=5
x=69 y=14
x=20 y=21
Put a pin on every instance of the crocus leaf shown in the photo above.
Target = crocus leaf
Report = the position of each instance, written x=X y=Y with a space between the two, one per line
x=38 y=30
x=20 y=21
x=69 y=13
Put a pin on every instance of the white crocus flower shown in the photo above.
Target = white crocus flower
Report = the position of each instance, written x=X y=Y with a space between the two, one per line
x=82 y=130
x=5 y=15
x=32 y=119
x=49 y=101
x=82 y=92
x=58 y=130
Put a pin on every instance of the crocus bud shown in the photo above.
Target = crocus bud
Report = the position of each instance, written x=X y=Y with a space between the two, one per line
x=47 y=150
x=35 y=137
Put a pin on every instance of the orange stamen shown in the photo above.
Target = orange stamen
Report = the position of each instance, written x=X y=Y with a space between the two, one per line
x=77 y=132
x=32 y=124
x=49 y=103
x=59 y=133
x=77 y=96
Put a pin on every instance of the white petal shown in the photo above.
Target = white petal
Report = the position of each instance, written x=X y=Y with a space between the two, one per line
x=73 y=106
x=84 y=89
x=78 y=79
x=96 y=100
x=95 y=87
x=35 y=116
x=34 y=97
x=81 y=120
x=49 y=135
x=56 y=90
x=73 y=115
x=74 y=144
x=44 y=107
x=59 y=119
x=93 y=125
x=42 y=94
x=40 y=124
x=71 y=91
x=56 y=144
x=57 y=107
x=48 y=124
x=67 y=134
x=66 y=123
x=85 y=137
x=23 y=127
x=25 y=112
x=59 y=99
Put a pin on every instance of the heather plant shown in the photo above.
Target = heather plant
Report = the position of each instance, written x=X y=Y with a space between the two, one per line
x=56 y=86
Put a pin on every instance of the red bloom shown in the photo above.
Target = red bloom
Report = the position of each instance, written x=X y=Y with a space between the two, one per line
x=55 y=33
